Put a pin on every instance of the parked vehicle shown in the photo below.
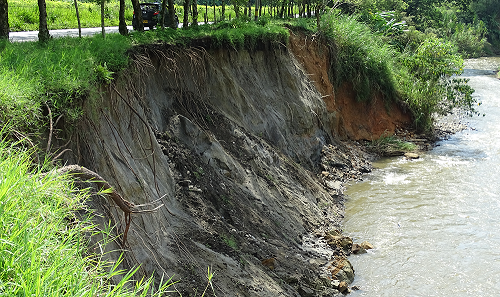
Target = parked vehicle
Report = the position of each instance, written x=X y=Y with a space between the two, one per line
x=151 y=15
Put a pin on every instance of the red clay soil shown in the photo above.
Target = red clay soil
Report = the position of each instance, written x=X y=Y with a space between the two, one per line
x=355 y=120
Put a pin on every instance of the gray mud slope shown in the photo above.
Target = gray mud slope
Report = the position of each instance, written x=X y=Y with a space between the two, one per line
x=236 y=146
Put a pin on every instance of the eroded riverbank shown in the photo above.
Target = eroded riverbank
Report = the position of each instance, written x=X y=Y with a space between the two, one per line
x=434 y=220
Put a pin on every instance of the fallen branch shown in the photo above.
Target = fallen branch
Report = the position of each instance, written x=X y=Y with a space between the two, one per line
x=127 y=207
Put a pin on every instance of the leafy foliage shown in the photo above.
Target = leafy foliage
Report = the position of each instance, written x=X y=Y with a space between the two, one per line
x=426 y=82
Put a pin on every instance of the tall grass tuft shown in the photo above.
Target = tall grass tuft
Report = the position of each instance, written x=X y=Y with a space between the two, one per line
x=59 y=72
x=43 y=250
x=359 y=57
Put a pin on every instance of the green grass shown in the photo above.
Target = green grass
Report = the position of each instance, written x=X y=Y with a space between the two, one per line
x=23 y=15
x=60 y=72
x=237 y=34
x=43 y=248
x=387 y=144
x=65 y=71
x=359 y=57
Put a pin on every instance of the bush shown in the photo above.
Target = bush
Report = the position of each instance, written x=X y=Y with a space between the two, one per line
x=426 y=85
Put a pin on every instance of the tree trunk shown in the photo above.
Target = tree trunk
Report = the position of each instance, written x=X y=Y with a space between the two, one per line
x=256 y=13
x=319 y=7
x=171 y=15
x=185 y=21
x=282 y=10
x=194 y=6
x=43 y=31
x=78 y=19
x=4 y=20
x=163 y=16
x=236 y=8
x=102 y=19
x=223 y=16
x=122 y=25
x=139 y=25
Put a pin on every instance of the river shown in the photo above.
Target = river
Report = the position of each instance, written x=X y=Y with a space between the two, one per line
x=435 y=221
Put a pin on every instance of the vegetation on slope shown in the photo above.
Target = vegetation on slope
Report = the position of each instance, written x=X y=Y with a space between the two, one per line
x=64 y=71
x=375 y=51
x=43 y=246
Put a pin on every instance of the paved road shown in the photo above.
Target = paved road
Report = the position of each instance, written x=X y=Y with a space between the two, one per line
x=33 y=35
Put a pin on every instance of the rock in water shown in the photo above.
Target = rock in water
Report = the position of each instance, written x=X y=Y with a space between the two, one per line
x=357 y=249
x=366 y=245
x=411 y=156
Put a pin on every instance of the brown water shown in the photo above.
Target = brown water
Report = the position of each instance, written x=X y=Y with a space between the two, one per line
x=435 y=221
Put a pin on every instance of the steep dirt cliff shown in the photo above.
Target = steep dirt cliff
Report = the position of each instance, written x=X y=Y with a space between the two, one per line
x=354 y=120
x=242 y=150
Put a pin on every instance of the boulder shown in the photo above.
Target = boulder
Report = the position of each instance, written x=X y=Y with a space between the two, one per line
x=366 y=245
x=357 y=249
x=411 y=156
x=343 y=286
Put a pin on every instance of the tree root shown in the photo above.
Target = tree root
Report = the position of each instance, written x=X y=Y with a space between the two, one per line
x=127 y=207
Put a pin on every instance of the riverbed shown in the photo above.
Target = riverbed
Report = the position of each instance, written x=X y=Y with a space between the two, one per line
x=435 y=221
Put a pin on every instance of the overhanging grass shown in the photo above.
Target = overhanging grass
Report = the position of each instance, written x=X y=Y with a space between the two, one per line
x=66 y=70
x=59 y=72
x=359 y=57
x=237 y=34
x=41 y=253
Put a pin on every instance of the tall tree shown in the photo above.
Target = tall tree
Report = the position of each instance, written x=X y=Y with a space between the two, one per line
x=194 y=8
x=43 y=31
x=163 y=16
x=236 y=7
x=102 y=18
x=172 y=23
x=139 y=25
x=185 y=20
x=223 y=12
x=4 y=19
x=78 y=19
x=122 y=25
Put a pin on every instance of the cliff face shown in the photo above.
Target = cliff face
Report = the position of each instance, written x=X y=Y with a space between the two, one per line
x=353 y=119
x=242 y=150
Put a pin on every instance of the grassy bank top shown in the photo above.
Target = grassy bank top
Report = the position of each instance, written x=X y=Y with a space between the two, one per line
x=65 y=71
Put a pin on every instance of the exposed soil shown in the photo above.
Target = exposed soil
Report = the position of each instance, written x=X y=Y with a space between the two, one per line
x=231 y=226
x=243 y=150
x=355 y=120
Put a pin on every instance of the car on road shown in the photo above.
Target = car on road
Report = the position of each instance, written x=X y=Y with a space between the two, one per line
x=151 y=15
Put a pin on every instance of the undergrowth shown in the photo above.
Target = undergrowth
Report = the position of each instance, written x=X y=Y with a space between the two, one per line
x=389 y=144
x=43 y=247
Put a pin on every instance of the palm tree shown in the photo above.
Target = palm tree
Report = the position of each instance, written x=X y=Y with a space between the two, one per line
x=43 y=31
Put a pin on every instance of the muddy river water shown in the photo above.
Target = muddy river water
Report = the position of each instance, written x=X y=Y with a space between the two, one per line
x=435 y=221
